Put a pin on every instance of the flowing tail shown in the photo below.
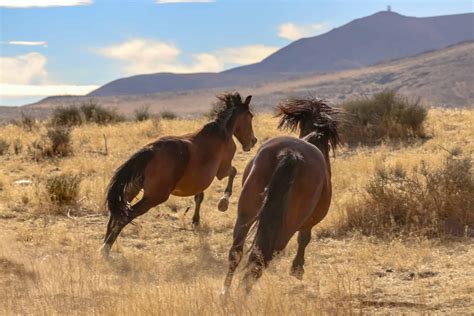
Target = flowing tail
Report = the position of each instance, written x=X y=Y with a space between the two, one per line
x=129 y=173
x=270 y=219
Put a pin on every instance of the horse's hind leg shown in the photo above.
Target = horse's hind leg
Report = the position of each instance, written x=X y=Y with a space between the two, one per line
x=198 y=198
x=250 y=202
x=255 y=270
x=114 y=227
x=241 y=230
x=116 y=224
x=297 y=269
x=224 y=201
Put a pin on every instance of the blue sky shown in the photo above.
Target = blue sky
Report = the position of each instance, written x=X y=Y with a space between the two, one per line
x=72 y=46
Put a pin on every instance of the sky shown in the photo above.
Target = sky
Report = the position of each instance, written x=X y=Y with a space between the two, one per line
x=55 y=47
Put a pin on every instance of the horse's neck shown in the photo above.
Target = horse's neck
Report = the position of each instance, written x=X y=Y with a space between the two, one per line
x=228 y=125
x=213 y=138
x=323 y=146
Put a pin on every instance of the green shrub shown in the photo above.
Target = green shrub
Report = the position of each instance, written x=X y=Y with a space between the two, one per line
x=63 y=189
x=142 y=114
x=428 y=202
x=4 y=146
x=168 y=115
x=384 y=116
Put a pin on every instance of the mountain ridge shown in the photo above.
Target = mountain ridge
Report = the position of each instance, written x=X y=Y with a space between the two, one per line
x=442 y=77
x=362 y=42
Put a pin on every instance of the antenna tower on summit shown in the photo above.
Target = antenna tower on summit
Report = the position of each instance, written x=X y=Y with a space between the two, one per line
x=389 y=8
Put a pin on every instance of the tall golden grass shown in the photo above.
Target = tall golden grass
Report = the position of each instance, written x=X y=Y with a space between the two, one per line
x=50 y=264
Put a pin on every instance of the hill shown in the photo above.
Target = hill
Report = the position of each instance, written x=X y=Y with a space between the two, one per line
x=362 y=42
x=441 y=78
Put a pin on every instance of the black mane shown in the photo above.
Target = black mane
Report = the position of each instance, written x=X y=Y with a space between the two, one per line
x=317 y=114
x=223 y=110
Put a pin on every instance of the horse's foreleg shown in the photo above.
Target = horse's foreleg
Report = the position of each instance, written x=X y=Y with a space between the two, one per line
x=224 y=201
x=297 y=269
x=198 y=198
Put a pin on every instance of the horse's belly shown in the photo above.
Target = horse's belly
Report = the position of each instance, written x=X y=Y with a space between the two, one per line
x=195 y=182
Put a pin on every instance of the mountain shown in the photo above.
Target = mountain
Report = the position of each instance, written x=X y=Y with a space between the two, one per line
x=380 y=37
x=442 y=77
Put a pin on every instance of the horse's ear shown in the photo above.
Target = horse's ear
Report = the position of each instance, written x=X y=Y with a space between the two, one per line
x=247 y=100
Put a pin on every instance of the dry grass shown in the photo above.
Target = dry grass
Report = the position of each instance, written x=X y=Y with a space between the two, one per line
x=424 y=201
x=49 y=264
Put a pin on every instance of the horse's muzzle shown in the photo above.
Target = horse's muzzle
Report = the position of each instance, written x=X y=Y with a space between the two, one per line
x=249 y=147
x=254 y=141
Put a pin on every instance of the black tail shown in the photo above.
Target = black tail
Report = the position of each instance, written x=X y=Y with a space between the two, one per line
x=129 y=172
x=271 y=215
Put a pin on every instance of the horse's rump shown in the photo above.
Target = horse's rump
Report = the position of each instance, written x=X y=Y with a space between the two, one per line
x=275 y=204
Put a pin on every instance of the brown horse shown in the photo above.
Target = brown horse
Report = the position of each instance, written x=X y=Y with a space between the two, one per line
x=181 y=165
x=286 y=188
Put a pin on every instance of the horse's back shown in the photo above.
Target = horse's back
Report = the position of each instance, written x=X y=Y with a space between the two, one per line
x=311 y=183
x=313 y=157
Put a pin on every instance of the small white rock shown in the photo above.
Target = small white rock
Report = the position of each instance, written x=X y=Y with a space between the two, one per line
x=23 y=182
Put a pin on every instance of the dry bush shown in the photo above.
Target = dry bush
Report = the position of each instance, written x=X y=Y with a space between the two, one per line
x=142 y=114
x=95 y=113
x=63 y=189
x=4 y=146
x=60 y=140
x=27 y=122
x=426 y=202
x=17 y=146
x=91 y=112
x=384 y=116
x=168 y=115
x=67 y=116
x=56 y=143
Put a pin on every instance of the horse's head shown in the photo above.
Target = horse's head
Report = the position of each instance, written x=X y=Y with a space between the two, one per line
x=311 y=116
x=243 y=129
x=236 y=118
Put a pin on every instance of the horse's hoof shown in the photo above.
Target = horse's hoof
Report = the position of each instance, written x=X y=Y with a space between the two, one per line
x=196 y=227
x=105 y=252
x=223 y=296
x=297 y=272
x=223 y=204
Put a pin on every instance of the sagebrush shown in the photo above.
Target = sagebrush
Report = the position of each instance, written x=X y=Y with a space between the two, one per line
x=75 y=115
x=63 y=189
x=56 y=143
x=383 y=116
x=4 y=146
x=142 y=114
x=431 y=202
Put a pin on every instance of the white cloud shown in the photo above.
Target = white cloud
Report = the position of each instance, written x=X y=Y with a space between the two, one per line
x=23 y=69
x=183 y=1
x=140 y=56
x=244 y=55
x=293 y=32
x=24 y=90
x=28 y=43
x=26 y=76
x=42 y=3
